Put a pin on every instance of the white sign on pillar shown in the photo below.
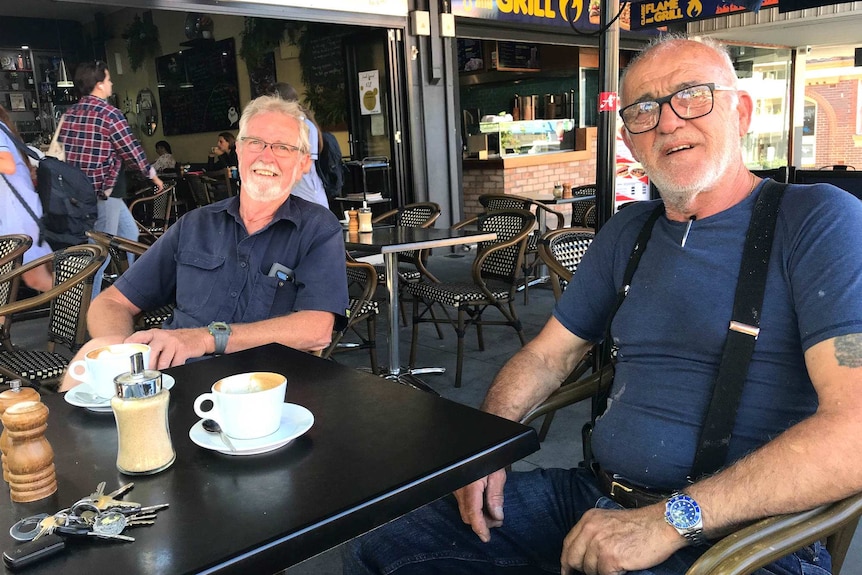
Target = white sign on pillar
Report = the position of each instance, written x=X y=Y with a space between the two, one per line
x=369 y=92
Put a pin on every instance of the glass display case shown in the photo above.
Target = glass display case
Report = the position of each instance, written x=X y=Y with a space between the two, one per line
x=532 y=136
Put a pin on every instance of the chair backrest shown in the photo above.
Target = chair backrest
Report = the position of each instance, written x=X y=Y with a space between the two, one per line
x=118 y=248
x=200 y=190
x=585 y=190
x=417 y=215
x=562 y=250
x=501 y=259
x=496 y=202
x=74 y=268
x=580 y=211
x=12 y=248
x=153 y=224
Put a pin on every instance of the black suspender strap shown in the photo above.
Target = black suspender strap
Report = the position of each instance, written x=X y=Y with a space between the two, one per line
x=742 y=333
x=714 y=440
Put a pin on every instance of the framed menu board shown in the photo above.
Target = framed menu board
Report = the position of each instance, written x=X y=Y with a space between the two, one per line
x=198 y=88
x=517 y=56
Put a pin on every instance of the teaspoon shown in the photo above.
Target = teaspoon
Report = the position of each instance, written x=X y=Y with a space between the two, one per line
x=212 y=426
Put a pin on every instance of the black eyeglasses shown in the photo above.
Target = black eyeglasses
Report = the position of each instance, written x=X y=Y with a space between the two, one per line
x=279 y=150
x=689 y=103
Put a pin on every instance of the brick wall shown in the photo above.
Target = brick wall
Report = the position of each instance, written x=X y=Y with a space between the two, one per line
x=529 y=180
x=837 y=108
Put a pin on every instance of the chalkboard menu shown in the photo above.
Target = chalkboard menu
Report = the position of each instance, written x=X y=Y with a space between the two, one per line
x=470 y=55
x=198 y=88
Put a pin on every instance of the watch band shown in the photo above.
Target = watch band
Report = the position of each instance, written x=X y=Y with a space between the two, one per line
x=220 y=332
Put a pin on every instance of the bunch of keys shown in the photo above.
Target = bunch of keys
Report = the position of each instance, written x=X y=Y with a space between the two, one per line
x=99 y=515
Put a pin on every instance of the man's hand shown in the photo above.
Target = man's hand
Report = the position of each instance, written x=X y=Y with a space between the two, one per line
x=481 y=504
x=170 y=347
x=612 y=542
x=158 y=183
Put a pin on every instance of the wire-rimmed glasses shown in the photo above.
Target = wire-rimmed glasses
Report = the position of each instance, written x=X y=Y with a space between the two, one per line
x=688 y=103
x=279 y=150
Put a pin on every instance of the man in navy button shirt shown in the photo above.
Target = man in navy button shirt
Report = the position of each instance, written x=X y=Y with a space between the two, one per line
x=263 y=266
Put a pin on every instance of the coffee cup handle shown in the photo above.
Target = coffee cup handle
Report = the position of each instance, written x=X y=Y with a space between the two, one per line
x=85 y=373
x=212 y=413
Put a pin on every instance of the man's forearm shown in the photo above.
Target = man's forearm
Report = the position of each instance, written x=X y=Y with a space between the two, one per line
x=305 y=330
x=107 y=317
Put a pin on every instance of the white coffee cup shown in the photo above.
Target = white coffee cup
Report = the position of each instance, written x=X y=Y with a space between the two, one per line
x=246 y=405
x=101 y=365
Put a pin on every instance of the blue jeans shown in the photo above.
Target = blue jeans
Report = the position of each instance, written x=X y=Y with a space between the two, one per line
x=114 y=218
x=541 y=507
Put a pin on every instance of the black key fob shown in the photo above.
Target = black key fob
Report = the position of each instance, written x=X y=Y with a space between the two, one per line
x=33 y=551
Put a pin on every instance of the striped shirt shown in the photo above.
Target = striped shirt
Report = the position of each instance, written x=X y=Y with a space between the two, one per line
x=97 y=138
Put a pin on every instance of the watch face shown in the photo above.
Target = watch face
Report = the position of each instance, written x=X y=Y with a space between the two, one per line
x=683 y=512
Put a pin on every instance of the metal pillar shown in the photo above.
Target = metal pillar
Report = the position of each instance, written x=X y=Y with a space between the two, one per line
x=609 y=57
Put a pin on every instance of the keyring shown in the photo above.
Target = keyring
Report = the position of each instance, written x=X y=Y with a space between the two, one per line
x=27 y=528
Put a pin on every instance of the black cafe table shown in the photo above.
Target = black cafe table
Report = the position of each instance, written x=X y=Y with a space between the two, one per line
x=376 y=451
x=389 y=240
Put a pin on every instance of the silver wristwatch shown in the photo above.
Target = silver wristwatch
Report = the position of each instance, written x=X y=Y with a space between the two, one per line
x=220 y=332
x=683 y=514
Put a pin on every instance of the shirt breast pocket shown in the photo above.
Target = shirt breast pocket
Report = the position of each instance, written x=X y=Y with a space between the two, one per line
x=272 y=297
x=197 y=277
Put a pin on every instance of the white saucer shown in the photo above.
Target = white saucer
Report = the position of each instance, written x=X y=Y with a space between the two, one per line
x=74 y=396
x=295 y=420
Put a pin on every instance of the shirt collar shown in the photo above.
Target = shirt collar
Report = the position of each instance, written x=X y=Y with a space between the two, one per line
x=288 y=210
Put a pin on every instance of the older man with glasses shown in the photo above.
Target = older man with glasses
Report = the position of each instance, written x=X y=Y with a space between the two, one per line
x=633 y=508
x=258 y=268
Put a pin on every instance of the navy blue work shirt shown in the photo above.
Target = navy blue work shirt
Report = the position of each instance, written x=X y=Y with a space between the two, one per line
x=210 y=267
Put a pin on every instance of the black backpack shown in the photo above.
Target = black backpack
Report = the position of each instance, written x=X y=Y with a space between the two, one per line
x=329 y=166
x=68 y=200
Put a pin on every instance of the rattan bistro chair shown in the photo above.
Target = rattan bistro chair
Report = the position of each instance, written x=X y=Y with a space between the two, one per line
x=119 y=249
x=562 y=250
x=493 y=202
x=362 y=283
x=411 y=264
x=73 y=270
x=12 y=248
x=494 y=282
x=153 y=213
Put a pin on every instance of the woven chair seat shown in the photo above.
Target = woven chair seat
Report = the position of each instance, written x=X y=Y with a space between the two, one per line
x=404 y=274
x=455 y=294
x=156 y=318
x=364 y=307
x=34 y=365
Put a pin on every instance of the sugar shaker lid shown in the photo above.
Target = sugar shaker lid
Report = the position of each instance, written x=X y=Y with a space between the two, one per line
x=139 y=382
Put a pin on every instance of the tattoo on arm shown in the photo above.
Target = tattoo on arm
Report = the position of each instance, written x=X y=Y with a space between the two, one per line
x=848 y=350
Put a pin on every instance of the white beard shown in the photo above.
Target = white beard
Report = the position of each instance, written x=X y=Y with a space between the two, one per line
x=266 y=188
x=679 y=190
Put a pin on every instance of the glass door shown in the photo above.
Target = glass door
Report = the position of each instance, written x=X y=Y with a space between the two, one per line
x=376 y=98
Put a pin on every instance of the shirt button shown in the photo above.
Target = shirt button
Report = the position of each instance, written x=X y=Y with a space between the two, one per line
x=243 y=264
x=233 y=294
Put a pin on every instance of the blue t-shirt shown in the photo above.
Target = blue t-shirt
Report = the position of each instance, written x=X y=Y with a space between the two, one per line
x=213 y=270
x=671 y=328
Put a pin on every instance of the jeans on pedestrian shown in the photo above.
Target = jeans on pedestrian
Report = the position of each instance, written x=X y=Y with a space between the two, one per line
x=540 y=507
x=114 y=218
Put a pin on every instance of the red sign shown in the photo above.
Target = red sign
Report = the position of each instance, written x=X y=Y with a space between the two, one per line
x=608 y=102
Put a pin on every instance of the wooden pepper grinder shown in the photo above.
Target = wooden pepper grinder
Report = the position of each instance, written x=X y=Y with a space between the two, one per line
x=353 y=221
x=15 y=394
x=30 y=458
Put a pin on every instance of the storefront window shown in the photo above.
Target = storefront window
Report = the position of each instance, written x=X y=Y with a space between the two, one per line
x=764 y=73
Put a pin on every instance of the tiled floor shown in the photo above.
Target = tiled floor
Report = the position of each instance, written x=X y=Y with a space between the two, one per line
x=562 y=446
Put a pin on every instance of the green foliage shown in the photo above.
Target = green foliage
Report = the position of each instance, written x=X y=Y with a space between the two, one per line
x=142 y=41
x=259 y=37
x=327 y=99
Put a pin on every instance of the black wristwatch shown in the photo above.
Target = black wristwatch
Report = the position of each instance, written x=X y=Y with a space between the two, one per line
x=683 y=514
x=220 y=332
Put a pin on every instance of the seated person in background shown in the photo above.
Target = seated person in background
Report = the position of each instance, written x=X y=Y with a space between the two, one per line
x=310 y=187
x=264 y=265
x=14 y=218
x=224 y=154
x=166 y=160
x=795 y=444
